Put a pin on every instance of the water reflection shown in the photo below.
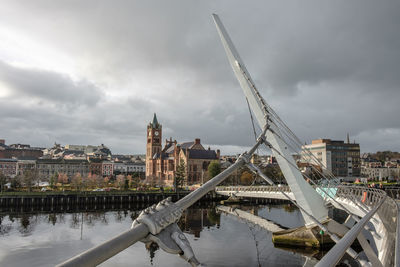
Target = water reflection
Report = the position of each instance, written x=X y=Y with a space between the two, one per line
x=42 y=239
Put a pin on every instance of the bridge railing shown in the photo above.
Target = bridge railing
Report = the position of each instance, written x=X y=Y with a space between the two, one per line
x=393 y=192
x=336 y=253
x=276 y=189
x=374 y=202
x=368 y=199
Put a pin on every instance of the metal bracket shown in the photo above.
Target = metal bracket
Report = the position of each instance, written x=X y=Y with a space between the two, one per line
x=161 y=220
x=158 y=217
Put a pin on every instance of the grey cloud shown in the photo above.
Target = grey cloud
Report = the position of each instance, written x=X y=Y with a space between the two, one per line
x=48 y=86
x=327 y=67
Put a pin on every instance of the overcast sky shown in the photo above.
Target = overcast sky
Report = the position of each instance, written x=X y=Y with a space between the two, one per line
x=92 y=72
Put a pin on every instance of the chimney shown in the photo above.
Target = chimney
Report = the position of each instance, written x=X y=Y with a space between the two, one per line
x=218 y=153
x=197 y=141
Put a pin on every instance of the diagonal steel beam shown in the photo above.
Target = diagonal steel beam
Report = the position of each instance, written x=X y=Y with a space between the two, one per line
x=305 y=195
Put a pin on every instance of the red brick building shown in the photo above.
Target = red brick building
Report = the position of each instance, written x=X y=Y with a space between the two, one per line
x=19 y=151
x=96 y=166
x=161 y=163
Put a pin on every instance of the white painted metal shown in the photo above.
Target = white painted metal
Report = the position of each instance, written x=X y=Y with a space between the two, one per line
x=304 y=194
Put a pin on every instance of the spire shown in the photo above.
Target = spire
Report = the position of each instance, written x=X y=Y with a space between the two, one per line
x=348 y=138
x=155 y=122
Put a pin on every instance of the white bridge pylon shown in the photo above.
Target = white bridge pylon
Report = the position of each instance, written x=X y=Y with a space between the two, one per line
x=305 y=195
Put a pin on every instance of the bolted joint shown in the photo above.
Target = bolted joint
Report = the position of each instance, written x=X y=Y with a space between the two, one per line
x=268 y=144
x=261 y=138
x=157 y=217
x=245 y=157
x=251 y=167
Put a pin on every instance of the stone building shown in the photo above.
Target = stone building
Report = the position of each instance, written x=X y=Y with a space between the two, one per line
x=26 y=164
x=8 y=167
x=162 y=163
x=48 y=167
x=129 y=166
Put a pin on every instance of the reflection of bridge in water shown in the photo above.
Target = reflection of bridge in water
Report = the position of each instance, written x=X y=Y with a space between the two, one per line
x=372 y=215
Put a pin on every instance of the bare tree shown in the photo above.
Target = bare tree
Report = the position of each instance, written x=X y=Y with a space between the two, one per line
x=63 y=179
x=28 y=178
x=3 y=181
x=76 y=181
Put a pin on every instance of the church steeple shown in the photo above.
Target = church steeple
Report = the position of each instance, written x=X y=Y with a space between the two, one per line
x=153 y=146
x=155 y=122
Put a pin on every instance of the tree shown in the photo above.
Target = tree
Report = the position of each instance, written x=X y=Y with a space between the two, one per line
x=128 y=182
x=92 y=180
x=99 y=181
x=180 y=175
x=16 y=182
x=28 y=178
x=63 y=179
x=53 y=180
x=120 y=181
x=246 y=178
x=136 y=181
x=214 y=168
x=35 y=177
x=106 y=180
x=274 y=173
x=3 y=181
x=76 y=181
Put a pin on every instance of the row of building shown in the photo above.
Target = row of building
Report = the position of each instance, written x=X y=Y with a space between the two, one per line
x=378 y=170
x=342 y=159
x=45 y=168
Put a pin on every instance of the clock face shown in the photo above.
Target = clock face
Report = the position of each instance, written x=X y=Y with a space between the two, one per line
x=156 y=133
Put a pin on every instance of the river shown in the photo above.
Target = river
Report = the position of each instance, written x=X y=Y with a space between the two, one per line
x=45 y=239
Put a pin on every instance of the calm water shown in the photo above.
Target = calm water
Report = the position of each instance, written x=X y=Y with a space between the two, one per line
x=217 y=239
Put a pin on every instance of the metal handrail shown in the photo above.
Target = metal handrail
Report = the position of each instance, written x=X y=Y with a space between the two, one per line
x=397 y=242
x=253 y=188
x=336 y=253
x=365 y=199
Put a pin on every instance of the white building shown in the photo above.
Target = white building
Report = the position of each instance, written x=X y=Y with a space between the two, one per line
x=379 y=174
x=337 y=157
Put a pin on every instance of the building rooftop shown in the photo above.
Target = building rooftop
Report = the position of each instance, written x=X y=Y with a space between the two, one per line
x=8 y=160
x=201 y=154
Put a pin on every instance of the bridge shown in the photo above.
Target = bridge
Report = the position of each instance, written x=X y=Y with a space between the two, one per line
x=382 y=229
x=372 y=214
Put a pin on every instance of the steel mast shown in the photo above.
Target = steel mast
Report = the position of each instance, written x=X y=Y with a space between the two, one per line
x=304 y=194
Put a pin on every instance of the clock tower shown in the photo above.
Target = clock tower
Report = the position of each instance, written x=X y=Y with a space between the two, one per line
x=153 y=146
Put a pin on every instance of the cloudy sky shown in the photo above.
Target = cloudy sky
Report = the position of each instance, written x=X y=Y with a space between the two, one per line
x=92 y=72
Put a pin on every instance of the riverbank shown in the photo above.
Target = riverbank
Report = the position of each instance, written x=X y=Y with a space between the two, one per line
x=88 y=200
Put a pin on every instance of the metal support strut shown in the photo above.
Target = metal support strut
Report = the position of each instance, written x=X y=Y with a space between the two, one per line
x=158 y=223
x=161 y=220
